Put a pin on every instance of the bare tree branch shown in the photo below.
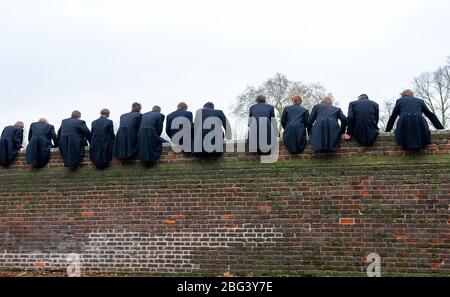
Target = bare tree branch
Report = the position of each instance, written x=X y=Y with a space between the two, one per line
x=278 y=90
x=434 y=88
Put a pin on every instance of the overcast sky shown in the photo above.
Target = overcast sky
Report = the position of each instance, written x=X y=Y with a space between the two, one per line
x=60 y=55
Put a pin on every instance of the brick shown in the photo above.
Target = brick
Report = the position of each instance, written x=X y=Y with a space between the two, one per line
x=347 y=221
x=87 y=214
x=39 y=264
x=265 y=208
x=436 y=266
x=400 y=236
x=227 y=218
x=177 y=217
x=365 y=194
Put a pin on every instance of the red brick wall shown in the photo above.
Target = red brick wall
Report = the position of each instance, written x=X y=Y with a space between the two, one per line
x=308 y=214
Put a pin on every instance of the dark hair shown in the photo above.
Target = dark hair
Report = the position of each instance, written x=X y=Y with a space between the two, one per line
x=104 y=112
x=209 y=105
x=182 y=105
x=363 y=96
x=156 y=108
x=76 y=114
x=261 y=99
x=136 y=107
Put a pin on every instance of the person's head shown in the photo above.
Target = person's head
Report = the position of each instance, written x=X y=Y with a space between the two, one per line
x=407 y=93
x=19 y=125
x=261 y=99
x=327 y=100
x=297 y=100
x=209 y=105
x=363 y=96
x=43 y=120
x=182 y=106
x=76 y=114
x=136 y=107
x=105 y=112
x=156 y=108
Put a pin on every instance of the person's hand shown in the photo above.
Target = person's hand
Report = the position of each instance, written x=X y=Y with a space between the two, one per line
x=22 y=150
x=347 y=137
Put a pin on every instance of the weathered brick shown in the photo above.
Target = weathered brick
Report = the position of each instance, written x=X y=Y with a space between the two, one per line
x=309 y=214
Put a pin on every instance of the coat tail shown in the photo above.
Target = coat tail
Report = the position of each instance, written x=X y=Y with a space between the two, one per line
x=38 y=152
x=4 y=153
x=100 y=151
x=413 y=132
x=149 y=145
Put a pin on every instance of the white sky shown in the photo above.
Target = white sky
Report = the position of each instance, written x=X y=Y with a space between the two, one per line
x=56 y=56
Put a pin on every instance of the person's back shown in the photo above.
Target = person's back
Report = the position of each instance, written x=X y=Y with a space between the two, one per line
x=259 y=113
x=149 y=137
x=154 y=120
x=102 y=126
x=40 y=139
x=100 y=150
x=294 y=120
x=42 y=130
x=181 y=112
x=73 y=136
x=363 y=116
x=323 y=126
x=218 y=122
x=10 y=143
x=262 y=110
x=10 y=132
x=412 y=130
x=125 y=145
x=295 y=115
x=410 y=105
x=74 y=127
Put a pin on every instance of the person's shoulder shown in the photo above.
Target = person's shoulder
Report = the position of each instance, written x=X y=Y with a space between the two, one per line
x=374 y=103
x=419 y=100
x=172 y=114
x=353 y=103
x=219 y=112
x=303 y=108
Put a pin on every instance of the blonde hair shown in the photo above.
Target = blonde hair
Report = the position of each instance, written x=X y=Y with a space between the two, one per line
x=297 y=100
x=43 y=120
x=19 y=124
x=105 y=112
x=407 y=93
x=327 y=100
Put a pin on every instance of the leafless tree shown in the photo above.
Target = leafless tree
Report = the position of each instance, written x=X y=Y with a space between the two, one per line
x=434 y=88
x=278 y=90
x=385 y=112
